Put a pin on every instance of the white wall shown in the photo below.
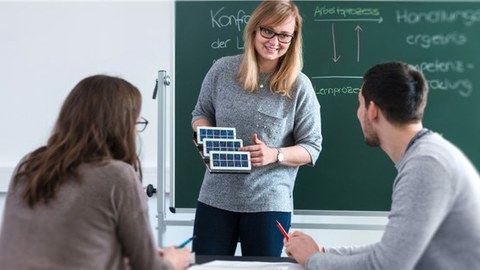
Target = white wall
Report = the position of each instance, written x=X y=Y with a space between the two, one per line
x=47 y=47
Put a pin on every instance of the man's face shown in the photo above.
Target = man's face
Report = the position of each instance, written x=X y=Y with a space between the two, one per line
x=369 y=133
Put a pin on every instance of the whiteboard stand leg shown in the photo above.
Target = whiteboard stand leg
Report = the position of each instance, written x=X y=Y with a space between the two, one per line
x=161 y=86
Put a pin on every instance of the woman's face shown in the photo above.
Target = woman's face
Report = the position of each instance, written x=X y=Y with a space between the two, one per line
x=269 y=50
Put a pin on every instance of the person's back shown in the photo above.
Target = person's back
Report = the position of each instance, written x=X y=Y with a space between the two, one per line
x=453 y=185
x=87 y=226
x=77 y=201
x=454 y=182
x=434 y=219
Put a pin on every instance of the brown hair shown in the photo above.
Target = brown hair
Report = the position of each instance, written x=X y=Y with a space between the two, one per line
x=398 y=89
x=269 y=14
x=96 y=123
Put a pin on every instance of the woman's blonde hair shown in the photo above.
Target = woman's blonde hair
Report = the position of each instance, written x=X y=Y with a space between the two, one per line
x=96 y=123
x=270 y=14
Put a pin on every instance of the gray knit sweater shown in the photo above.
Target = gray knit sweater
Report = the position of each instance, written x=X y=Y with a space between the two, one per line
x=277 y=120
x=434 y=222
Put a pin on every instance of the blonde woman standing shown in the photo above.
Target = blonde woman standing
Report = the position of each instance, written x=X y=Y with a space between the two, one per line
x=273 y=106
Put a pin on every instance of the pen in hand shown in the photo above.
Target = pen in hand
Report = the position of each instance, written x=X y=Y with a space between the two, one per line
x=282 y=230
x=182 y=245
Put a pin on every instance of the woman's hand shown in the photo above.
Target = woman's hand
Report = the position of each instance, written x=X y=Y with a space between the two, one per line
x=260 y=153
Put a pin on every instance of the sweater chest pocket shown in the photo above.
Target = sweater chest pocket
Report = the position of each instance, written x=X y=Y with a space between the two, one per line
x=272 y=122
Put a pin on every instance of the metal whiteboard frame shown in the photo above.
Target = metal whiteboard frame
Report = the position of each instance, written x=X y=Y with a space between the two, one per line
x=160 y=93
x=309 y=225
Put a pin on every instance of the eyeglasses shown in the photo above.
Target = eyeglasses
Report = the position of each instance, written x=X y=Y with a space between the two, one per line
x=269 y=34
x=142 y=124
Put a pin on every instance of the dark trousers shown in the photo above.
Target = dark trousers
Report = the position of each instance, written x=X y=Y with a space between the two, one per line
x=217 y=232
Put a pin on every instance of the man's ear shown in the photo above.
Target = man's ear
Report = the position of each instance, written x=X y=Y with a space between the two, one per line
x=372 y=111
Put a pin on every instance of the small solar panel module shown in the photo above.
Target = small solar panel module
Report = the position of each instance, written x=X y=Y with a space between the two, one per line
x=220 y=145
x=229 y=161
x=215 y=133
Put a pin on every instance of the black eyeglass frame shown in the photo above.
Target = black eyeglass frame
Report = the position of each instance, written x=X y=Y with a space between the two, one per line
x=279 y=35
x=141 y=124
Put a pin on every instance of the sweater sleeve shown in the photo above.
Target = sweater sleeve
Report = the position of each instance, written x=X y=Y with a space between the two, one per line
x=421 y=200
x=133 y=225
x=350 y=250
x=205 y=107
x=308 y=130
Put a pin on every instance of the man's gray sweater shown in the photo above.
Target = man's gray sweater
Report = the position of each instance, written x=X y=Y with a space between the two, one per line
x=434 y=222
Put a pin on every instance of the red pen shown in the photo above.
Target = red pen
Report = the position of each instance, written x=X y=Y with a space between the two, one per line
x=282 y=230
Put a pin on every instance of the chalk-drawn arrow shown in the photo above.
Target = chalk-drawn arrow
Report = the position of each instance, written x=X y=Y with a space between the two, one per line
x=378 y=20
x=335 y=58
x=358 y=29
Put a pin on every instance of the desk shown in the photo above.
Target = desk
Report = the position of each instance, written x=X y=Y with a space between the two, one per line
x=199 y=259
x=203 y=262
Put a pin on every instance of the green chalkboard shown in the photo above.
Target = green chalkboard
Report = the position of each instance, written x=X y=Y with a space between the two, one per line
x=341 y=41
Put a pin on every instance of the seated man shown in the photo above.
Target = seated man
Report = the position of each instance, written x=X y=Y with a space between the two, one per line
x=434 y=221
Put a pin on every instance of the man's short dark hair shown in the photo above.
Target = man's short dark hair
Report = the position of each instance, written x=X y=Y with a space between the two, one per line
x=398 y=89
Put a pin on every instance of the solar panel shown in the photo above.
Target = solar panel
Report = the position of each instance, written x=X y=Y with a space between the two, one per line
x=215 y=133
x=230 y=161
x=220 y=145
